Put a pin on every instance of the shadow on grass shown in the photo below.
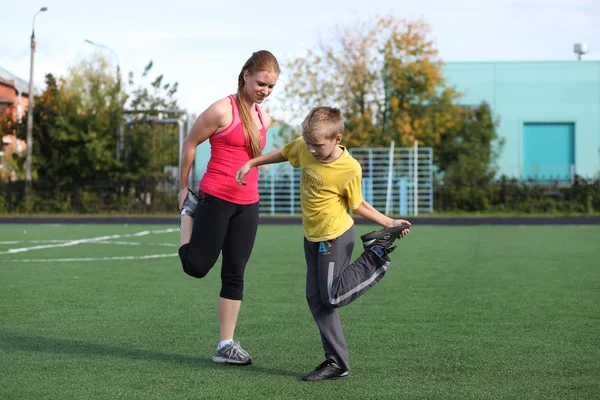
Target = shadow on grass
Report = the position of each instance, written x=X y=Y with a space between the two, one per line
x=14 y=341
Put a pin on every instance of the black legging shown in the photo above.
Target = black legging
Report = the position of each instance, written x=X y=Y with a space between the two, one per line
x=221 y=226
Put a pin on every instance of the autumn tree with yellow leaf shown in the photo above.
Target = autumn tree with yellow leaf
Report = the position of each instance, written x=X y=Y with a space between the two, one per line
x=386 y=77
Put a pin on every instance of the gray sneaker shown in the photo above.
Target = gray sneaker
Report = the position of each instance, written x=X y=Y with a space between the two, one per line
x=232 y=353
x=189 y=206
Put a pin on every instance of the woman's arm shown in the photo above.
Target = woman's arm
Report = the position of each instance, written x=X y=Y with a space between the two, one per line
x=210 y=121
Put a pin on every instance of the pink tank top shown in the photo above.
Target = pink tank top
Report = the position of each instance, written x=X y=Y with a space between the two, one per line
x=228 y=152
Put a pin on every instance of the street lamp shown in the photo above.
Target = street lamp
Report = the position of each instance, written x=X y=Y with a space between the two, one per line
x=112 y=51
x=30 y=106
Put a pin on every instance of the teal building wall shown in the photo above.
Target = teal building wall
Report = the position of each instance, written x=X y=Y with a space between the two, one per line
x=548 y=112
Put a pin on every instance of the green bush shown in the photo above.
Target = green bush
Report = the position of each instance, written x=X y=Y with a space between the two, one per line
x=515 y=196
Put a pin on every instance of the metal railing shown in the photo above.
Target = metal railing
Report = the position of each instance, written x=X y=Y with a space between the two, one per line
x=397 y=181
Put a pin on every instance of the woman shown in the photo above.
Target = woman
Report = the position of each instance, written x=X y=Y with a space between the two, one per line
x=223 y=218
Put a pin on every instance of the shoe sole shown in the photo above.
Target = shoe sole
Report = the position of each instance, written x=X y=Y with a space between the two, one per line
x=222 y=360
x=337 y=378
x=368 y=238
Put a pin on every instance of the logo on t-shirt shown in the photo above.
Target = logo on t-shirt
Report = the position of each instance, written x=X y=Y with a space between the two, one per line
x=311 y=182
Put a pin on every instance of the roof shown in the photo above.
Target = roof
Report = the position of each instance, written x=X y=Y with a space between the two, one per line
x=20 y=84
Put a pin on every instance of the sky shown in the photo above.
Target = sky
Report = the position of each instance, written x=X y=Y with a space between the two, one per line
x=203 y=44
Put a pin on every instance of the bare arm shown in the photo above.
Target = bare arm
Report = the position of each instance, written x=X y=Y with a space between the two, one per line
x=267 y=119
x=367 y=211
x=270 y=158
x=210 y=121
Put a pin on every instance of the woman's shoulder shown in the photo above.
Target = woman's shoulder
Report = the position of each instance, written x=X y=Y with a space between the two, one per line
x=266 y=118
x=221 y=106
x=220 y=111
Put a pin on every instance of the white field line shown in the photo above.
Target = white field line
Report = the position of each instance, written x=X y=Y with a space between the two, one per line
x=94 y=258
x=37 y=241
x=139 y=244
x=95 y=242
x=89 y=240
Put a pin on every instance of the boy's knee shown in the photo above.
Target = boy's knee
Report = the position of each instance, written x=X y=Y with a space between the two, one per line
x=329 y=304
x=329 y=301
x=318 y=300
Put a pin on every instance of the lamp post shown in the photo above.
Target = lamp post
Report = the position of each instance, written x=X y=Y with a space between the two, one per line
x=118 y=122
x=30 y=106
x=114 y=54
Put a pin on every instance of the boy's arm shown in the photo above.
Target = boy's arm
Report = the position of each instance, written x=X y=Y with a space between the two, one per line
x=270 y=158
x=369 y=212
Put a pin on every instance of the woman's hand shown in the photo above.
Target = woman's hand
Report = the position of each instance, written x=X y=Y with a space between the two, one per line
x=242 y=172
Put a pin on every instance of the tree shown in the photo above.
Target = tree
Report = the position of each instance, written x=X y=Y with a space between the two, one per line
x=12 y=163
x=387 y=79
x=76 y=120
x=152 y=97
x=468 y=159
x=149 y=146
x=284 y=132
x=76 y=123
x=56 y=139
x=419 y=105
x=93 y=88
x=345 y=73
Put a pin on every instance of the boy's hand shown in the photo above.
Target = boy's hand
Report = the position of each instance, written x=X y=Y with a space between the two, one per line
x=398 y=222
x=242 y=172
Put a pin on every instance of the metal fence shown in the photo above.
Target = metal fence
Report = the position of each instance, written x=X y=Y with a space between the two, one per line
x=397 y=181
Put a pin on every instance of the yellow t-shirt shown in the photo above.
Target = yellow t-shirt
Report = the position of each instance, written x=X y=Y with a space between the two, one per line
x=327 y=190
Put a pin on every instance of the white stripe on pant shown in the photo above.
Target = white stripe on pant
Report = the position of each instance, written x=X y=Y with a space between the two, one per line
x=332 y=282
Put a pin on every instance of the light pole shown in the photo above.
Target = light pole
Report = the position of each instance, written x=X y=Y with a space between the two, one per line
x=30 y=106
x=114 y=54
x=118 y=122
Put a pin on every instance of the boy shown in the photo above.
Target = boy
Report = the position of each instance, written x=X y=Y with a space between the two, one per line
x=330 y=184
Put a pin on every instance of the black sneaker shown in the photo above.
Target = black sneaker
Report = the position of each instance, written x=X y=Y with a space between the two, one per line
x=327 y=370
x=189 y=205
x=384 y=238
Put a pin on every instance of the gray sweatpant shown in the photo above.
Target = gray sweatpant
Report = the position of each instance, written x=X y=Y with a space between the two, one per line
x=332 y=282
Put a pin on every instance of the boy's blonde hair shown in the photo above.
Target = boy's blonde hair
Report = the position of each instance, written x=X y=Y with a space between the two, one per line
x=323 y=122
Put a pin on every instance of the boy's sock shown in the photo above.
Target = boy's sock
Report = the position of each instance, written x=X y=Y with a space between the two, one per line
x=381 y=252
x=378 y=250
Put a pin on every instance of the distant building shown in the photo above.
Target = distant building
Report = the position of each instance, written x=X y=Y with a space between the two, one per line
x=549 y=114
x=14 y=94
x=14 y=100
